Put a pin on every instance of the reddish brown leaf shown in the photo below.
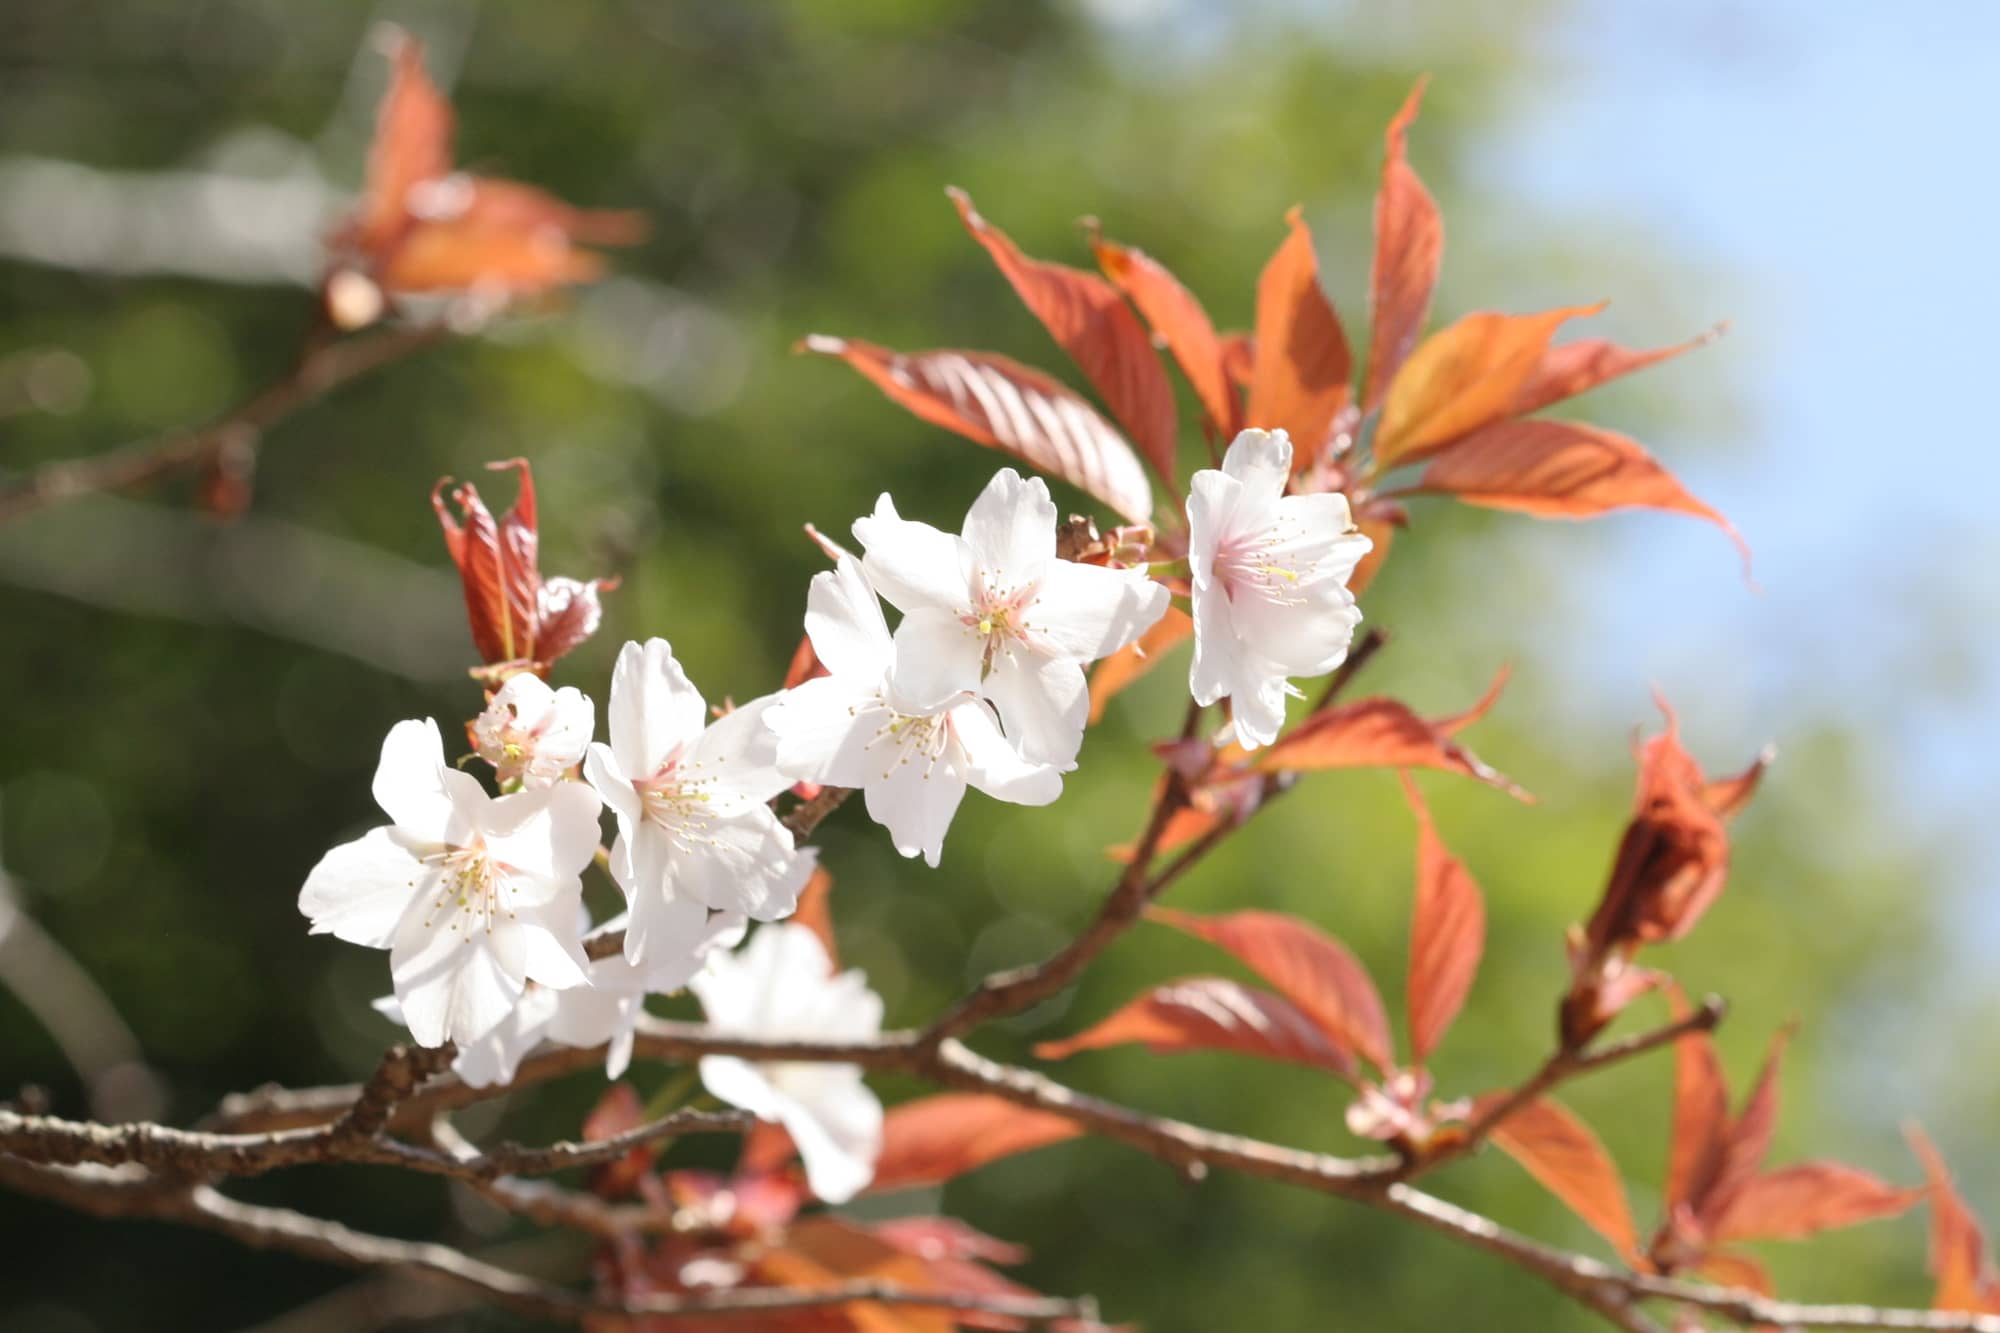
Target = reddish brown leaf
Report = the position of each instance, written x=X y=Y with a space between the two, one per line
x=1562 y=469
x=1239 y=361
x=1379 y=733
x=1181 y=326
x=463 y=253
x=1461 y=378
x=766 y=1147
x=815 y=912
x=1409 y=244
x=1447 y=935
x=1308 y=967
x=1727 y=796
x=948 y=1238
x=1563 y=1154
x=1135 y=659
x=1379 y=528
x=1299 y=377
x=1701 y=1112
x=1795 y=1201
x=820 y=1252
x=1084 y=314
x=1209 y=1014
x=1747 y=1141
x=1572 y=368
x=1965 y=1276
x=1001 y=403
x=934 y=1139
x=412 y=144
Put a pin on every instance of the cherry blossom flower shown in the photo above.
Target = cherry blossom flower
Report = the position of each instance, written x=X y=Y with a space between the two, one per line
x=1270 y=583
x=531 y=734
x=856 y=728
x=782 y=987
x=694 y=829
x=473 y=897
x=609 y=1009
x=995 y=611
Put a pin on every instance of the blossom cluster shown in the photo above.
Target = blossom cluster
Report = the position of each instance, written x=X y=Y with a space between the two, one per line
x=981 y=684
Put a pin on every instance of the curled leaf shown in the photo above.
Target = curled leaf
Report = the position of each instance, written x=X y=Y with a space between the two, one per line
x=1181 y=326
x=1965 y=1275
x=1209 y=1014
x=1573 y=368
x=1084 y=314
x=1409 y=245
x=1003 y=404
x=1562 y=1153
x=1305 y=965
x=1380 y=733
x=1447 y=935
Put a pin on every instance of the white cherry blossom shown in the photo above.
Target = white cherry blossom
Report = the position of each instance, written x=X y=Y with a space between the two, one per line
x=856 y=728
x=994 y=610
x=694 y=829
x=782 y=987
x=1270 y=583
x=532 y=734
x=473 y=897
x=609 y=1008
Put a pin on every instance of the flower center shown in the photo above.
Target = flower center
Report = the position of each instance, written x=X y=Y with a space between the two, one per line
x=1264 y=566
x=907 y=738
x=999 y=614
x=472 y=888
x=681 y=801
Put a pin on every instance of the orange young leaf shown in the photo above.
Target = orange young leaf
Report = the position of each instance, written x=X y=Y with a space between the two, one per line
x=1701 y=1111
x=1381 y=733
x=1447 y=935
x=1135 y=659
x=1461 y=378
x=1409 y=244
x=1572 y=368
x=1796 y=1201
x=934 y=1139
x=1299 y=377
x=1726 y=796
x=1562 y=1153
x=412 y=144
x=1308 y=967
x=1003 y=404
x=1747 y=1140
x=1965 y=1276
x=1736 y=1270
x=1239 y=360
x=820 y=1252
x=1209 y=1014
x=1180 y=324
x=1085 y=316
x=1562 y=469
x=1379 y=528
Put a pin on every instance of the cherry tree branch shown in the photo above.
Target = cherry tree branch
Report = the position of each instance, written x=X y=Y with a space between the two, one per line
x=322 y=367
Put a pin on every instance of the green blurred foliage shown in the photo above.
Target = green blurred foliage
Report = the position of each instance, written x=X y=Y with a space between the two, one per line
x=194 y=710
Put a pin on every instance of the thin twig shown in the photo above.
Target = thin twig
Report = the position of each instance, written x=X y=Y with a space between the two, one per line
x=321 y=368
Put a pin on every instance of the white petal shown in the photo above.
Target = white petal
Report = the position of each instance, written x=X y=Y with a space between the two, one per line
x=1011 y=530
x=741 y=1084
x=360 y=890
x=1262 y=461
x=1087 y=611
x=915 y=799
x=409 y=781
x=913 y=564
x=1258 y=707
x=601 y=767
x=824 y=728
x=654 y=708
x=565 y=732
x=937 y=655
x=493 y=1059
x=550 y=833
x=995 y=767
x=1304 y=635
x=844 y=621
x=551 y=945
x=453 y=985
x=664 y=922
x=1217 y=651
x=739 y=753
x=1044 y=704
x=1212 y=501
x=839 y=1135
x=745 y=864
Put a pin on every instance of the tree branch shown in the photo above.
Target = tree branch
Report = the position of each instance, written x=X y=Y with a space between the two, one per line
x=322 y=367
